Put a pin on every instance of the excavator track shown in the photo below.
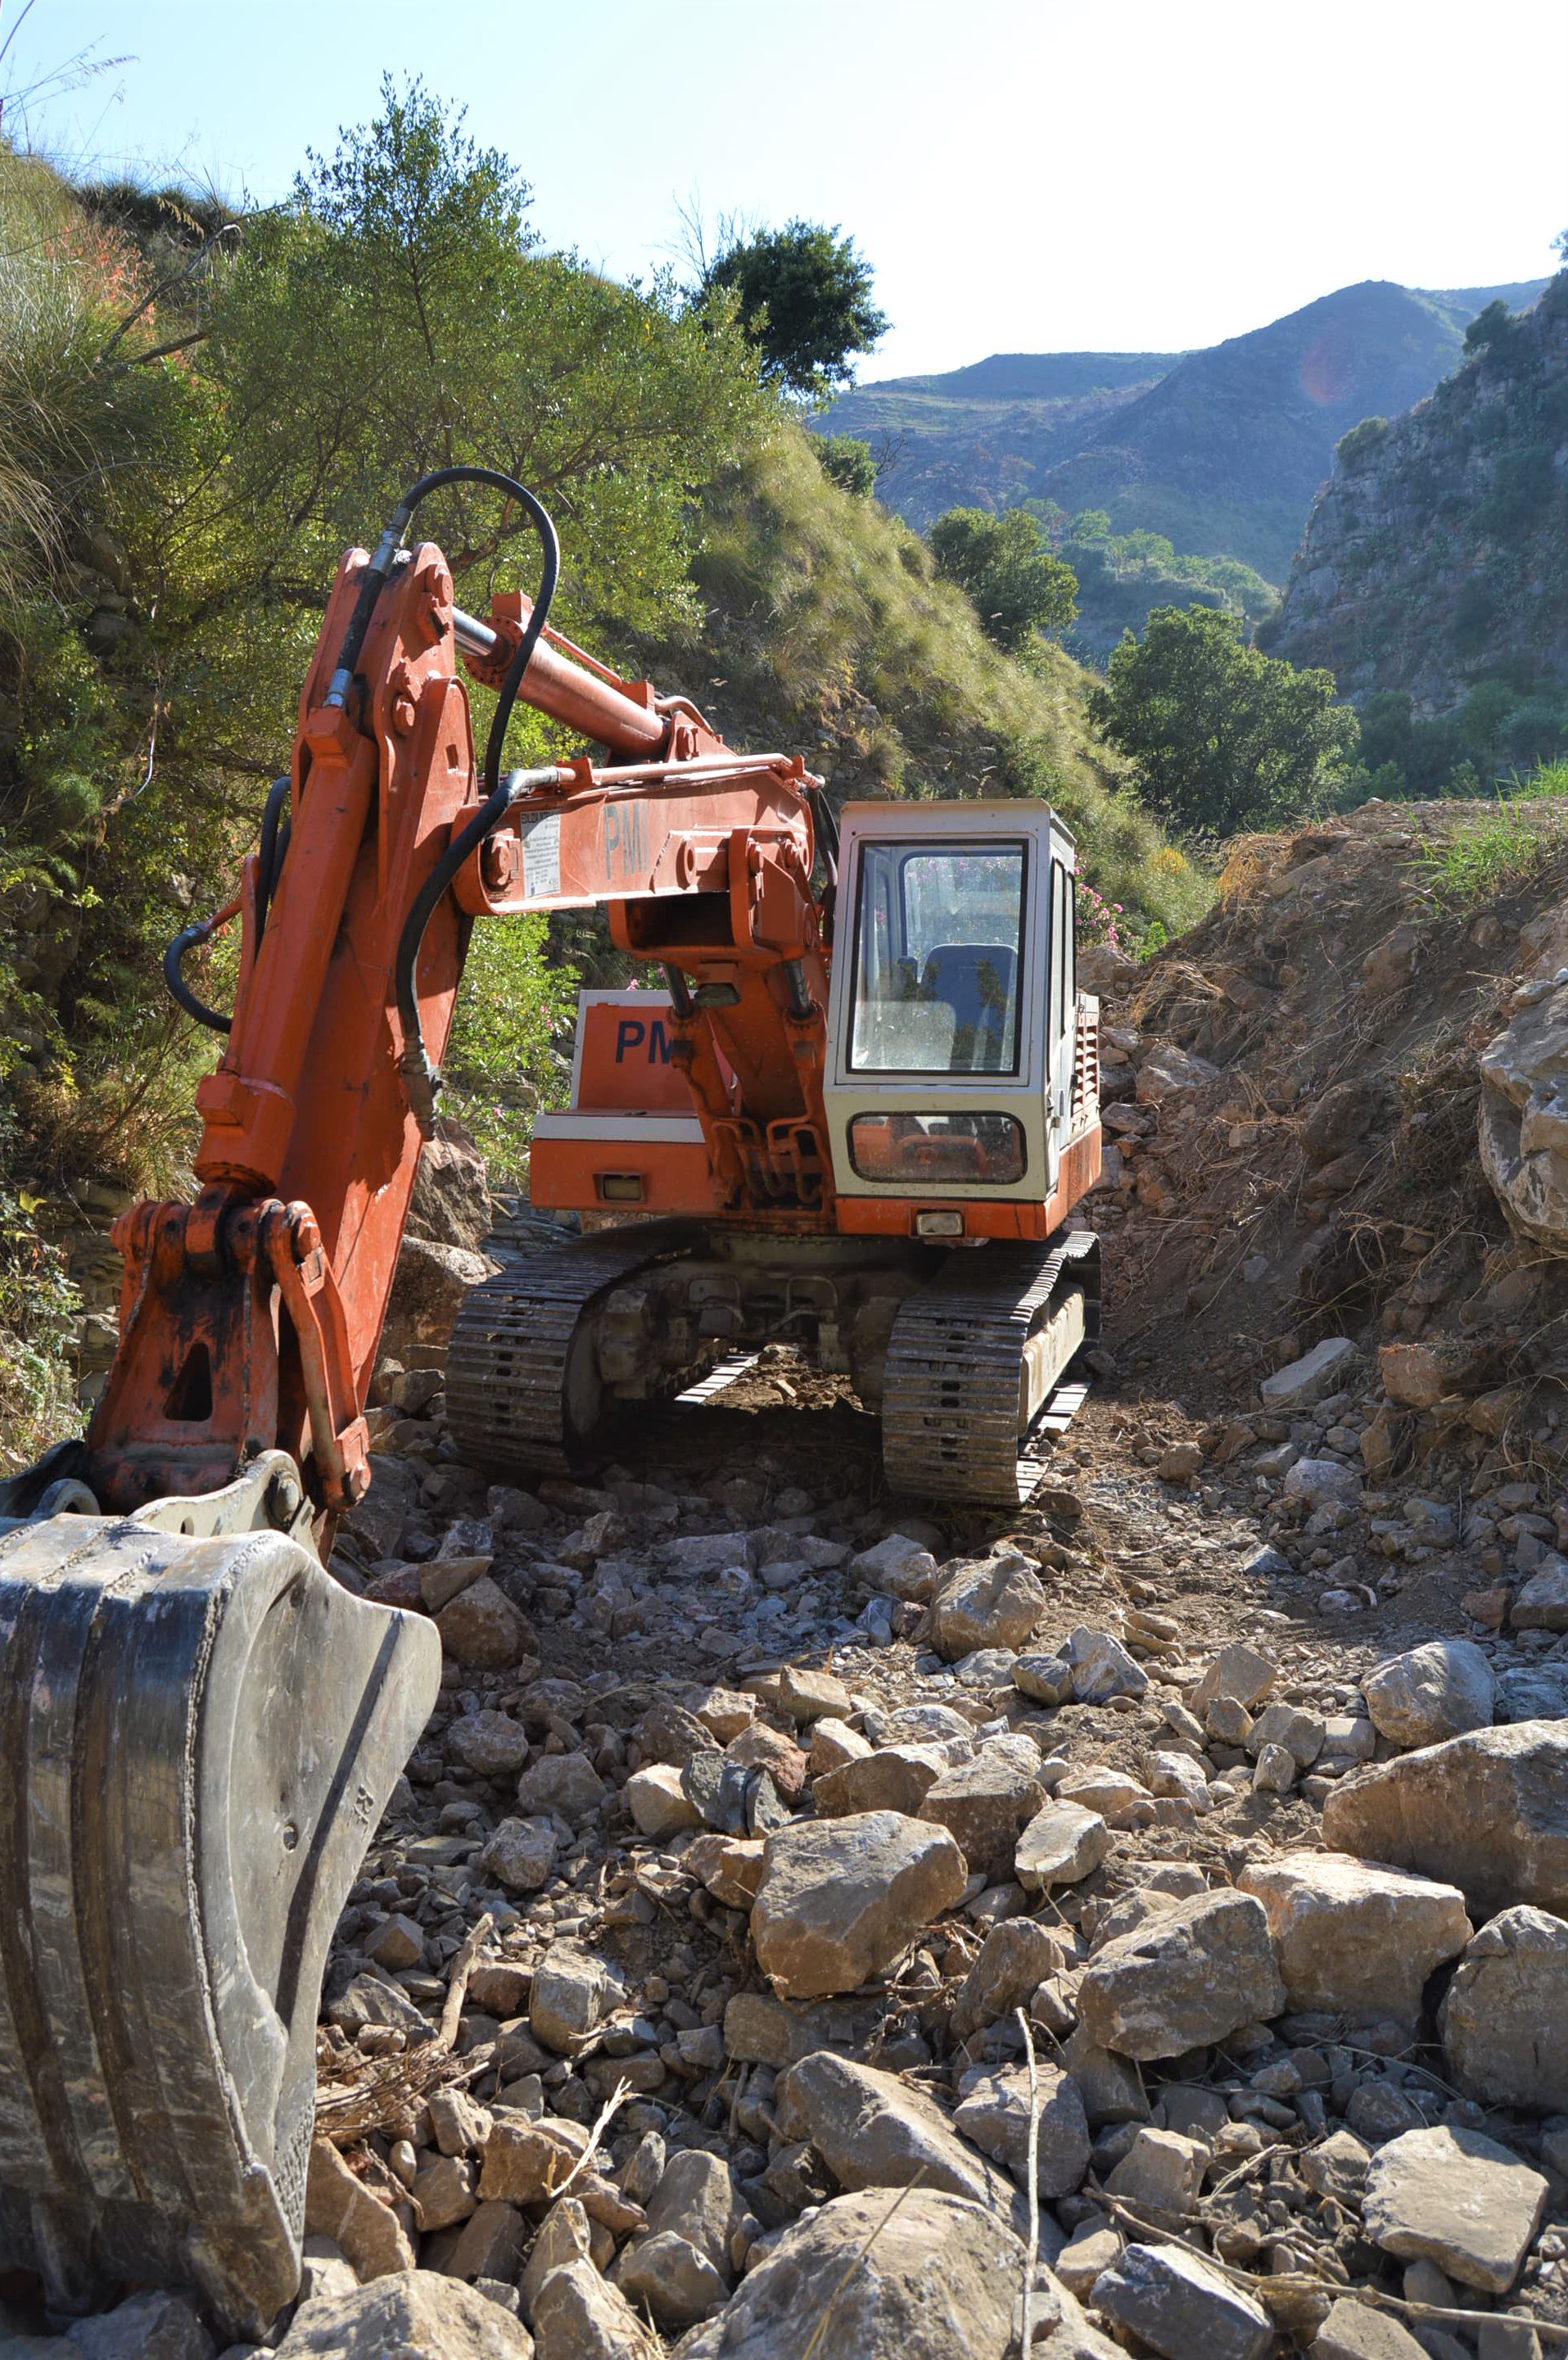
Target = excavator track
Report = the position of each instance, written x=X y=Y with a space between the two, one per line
x=512 y=1389
x=954 y=1422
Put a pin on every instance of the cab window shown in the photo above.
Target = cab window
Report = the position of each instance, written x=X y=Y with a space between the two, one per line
x=937 y=958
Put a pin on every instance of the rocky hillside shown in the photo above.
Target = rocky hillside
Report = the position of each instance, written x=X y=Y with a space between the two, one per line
x=1220 y=450
x=1437 y=556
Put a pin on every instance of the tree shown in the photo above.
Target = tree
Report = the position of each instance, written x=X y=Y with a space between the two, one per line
x=848 y=461
x=1489 y=327
x=1224 y=736
x=1018 y=585
x=803 y=296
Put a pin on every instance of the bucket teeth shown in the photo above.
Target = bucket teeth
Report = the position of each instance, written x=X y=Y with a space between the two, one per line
x=196 y=1740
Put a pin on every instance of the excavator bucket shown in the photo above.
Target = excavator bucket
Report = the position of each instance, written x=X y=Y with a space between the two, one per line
x=197 y=1737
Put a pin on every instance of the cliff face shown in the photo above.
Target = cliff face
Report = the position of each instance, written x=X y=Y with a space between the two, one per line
x=1436 y=557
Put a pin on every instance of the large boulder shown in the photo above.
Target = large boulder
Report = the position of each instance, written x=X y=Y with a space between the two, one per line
x=872 y=2130
x=428 y=1293
x=1193 y=1971
x=1431 y=1693
x=418 y=2314
x=1503 y=2020
x=1179 y=2305
x=982 y=1803
x=995 y=2112
x=1487 y=1811
x=1524 y=1115
x=451 y=1203
x=1353 y=1938
x=935 y=2279
x=1457 y=2198
x=995 y=1601
x=839 y=1902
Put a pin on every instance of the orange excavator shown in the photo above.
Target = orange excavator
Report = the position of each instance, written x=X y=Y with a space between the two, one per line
x=856 y=1117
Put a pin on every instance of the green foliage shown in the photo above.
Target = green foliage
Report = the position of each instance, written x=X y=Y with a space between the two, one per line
x=1353 y=449
x=848 y=462
x=804 y=295
x=1491 y=327
x=1122 y=577
x=501 y=1063
x=37 y=1311
x=1017 y=585
x=1503 y=847
x=1223 y=736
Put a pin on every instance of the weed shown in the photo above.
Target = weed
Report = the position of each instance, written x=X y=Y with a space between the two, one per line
x=1484 y=856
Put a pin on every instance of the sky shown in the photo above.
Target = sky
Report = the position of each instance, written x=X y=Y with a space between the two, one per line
x=1023 y=175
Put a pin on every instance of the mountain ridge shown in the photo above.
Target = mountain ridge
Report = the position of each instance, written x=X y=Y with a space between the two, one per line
x=1221 y=448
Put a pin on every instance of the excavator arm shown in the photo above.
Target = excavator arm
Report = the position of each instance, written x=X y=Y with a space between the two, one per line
x=201 y=1727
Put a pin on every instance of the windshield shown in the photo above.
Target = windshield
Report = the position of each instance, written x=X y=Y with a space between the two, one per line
x=937 y=959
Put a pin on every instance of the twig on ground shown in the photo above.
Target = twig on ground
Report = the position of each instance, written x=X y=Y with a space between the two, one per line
x=462 y=1968
x=616 y=2099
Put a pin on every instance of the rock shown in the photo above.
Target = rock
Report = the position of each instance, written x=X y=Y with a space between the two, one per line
x=1160 y=2172
x=994 y=2115
x=996 y=1601
x=1323 y=1483
x=525 y=2162
x=1181 y=1463
x=520 y=1854
x=1354 y=2330
x=1102 y=1669
x=839 y=1903
x=398 y=1942
x=1181 y=2306
x=761 y=1748
x=489 y=2244
x=1014 y=1960
x=1168 y=1072
x=483 y=1629
x=1301 y=1734
x=579 y=2316
x=1431 y=1693
x=833 y=1744
x=937 y=2279
x=569 y=1991
x=1542 y=1603
x=1089 y=2250
x=1336 y=2168
x=806 y=1696
x=705 y=1553
x=1457 y=2198
x=1238 y=1674
x=1488 y=1811
x=1320 y=1372
x=443 y=2192
x=666 y=2273
x=983 y=1803
x=491 y=1744
x=657 y=1802
x=565 y=1783
x=1198 y=1969
x=1355 y=1939
x=1503 y=2020
x=564 y=2237
x=1523 y=1123
x=729 y=1866
x=1112 y=2089
x=695 y=2198
x=428 y=1293
x=1532 y=1692
x=339 y=2206
x=1062 y=1843
x=422 y=2315
x=451 y=1201
x=898 y=1566
x=156 y=2326
x=445 y=1579
x=1045 y=1679
x=872 y=2130
x=460 y=2124
x=894 y=1778
x=1117 y=1794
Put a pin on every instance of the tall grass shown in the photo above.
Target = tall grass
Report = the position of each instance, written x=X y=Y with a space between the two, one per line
x=1505 y=846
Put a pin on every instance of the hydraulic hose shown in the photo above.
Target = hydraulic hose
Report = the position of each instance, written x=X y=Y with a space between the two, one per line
x=273 y=852
x=422 y=1079
x=178 y=989
x=274 y=849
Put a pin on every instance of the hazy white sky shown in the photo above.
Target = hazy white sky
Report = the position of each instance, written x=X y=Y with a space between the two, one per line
x=1025 y=175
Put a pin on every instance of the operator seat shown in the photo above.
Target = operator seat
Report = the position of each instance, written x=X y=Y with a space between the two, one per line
x=976 y=980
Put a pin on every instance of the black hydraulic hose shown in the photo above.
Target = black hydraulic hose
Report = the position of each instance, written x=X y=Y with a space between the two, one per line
x=180 y=990
x=274 y=849
x=421 y=1079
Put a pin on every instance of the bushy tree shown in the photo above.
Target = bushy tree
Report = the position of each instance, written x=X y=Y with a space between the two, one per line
x=804 y=295
x=1018 y=585
x=848 y=461
x=1224 y=736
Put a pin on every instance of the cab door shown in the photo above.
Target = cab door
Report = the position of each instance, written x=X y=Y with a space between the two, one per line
x=1059 y=1011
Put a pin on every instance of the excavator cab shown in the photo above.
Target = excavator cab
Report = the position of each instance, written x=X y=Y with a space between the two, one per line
x=959 y=1074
